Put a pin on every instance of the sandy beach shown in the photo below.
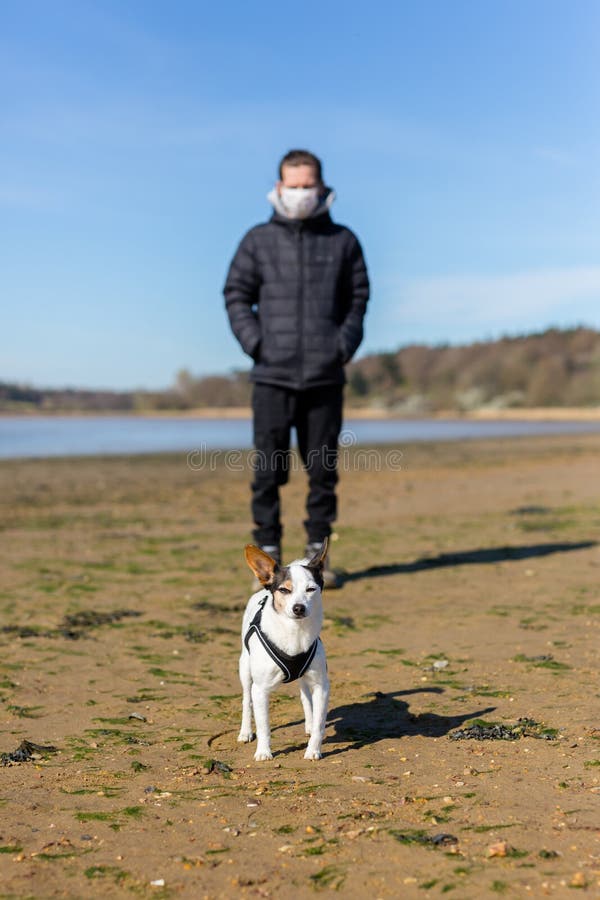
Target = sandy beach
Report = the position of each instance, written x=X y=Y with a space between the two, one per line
x=470 y=596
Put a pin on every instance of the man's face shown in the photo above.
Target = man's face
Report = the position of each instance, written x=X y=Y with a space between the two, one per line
x=303 y=176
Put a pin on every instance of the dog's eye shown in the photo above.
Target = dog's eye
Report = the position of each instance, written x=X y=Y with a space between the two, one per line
x=311 y=590
x=284 y=590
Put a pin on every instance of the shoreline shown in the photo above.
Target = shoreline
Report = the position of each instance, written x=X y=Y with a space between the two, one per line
x=534 y=414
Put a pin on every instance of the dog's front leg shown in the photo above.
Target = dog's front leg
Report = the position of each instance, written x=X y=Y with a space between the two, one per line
x=260 y=702
x=246 y=734
x=306 y=699
x=320 y=699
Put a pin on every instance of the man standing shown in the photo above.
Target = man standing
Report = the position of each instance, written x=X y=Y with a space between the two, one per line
x=296 y=294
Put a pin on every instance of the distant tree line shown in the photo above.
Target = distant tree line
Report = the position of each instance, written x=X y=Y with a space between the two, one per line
x=553 y=368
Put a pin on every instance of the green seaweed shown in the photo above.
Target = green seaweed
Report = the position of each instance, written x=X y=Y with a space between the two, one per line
x=330 y=878
x=410 y=836
x=112 y=872
x=25 y=712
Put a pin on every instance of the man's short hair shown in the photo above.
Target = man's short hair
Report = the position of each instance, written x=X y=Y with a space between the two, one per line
x=301 y=158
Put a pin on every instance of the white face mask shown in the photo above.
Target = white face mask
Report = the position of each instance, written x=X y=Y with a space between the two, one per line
x=299 y=203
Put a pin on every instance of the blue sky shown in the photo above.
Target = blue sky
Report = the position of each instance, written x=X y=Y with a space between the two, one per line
x=138 y=141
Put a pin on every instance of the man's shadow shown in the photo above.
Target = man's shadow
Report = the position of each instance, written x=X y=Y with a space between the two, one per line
x=478 y=556
x=384 y=716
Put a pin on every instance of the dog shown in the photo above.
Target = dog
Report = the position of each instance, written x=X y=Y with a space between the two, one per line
x=281 y=643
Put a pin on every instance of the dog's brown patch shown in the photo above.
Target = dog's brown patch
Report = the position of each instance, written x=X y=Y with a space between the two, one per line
x=263 y=565
x=281 y=578
x=279 y=602
x=278 y=598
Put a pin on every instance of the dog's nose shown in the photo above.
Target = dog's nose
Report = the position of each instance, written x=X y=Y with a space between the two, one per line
x=299 y=610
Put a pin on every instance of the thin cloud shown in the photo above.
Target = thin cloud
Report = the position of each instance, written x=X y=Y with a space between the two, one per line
x=28 y=198
x=483 y=303
x=556 y=156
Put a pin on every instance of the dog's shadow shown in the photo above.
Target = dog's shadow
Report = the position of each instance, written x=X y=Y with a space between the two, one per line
x=385 y=716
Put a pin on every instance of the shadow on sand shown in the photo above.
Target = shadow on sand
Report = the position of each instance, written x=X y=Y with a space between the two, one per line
x=383 y=716
x=466 y=558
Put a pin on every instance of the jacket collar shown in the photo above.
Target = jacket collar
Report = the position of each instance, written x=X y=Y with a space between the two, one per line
x=318 y=217
x=315 y=223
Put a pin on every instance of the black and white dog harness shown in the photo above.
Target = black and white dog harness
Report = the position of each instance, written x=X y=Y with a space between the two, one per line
x=293 y=667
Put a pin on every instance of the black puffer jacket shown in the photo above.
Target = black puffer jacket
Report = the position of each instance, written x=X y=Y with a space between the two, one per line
x=296 y=294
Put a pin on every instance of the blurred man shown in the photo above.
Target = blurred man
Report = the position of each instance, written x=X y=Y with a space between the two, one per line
x=296 y=294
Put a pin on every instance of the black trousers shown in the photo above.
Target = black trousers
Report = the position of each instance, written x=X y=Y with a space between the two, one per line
x=316 y=415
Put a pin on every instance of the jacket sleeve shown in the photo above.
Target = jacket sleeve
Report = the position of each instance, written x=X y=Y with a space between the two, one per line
x=241 y=295
x=357 y=294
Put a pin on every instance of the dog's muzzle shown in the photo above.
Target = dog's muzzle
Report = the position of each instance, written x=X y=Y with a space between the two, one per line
x=299 y=610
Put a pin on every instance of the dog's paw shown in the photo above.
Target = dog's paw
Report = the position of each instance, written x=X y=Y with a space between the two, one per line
x=313 y=754
x=245 y=737
x=261 y=755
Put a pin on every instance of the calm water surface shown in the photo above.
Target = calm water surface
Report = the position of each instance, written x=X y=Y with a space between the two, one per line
x=91 y=436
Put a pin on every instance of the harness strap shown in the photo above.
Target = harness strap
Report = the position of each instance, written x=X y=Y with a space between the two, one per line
x=293 y=667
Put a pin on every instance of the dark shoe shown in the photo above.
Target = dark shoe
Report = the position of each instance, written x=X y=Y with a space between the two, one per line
x=331 y=579
x=274 y=551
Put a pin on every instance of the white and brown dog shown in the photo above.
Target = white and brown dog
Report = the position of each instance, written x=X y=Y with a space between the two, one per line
x=280 y=643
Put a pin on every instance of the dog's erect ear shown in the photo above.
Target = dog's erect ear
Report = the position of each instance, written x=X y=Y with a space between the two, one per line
x=318 y=560
x=261 y=563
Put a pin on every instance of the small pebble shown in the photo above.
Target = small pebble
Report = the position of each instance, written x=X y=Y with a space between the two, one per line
x=499 y=849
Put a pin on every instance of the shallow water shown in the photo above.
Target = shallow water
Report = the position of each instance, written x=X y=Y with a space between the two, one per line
x=99 y=435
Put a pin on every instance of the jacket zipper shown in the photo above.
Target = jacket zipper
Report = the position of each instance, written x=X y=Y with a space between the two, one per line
x=300 y=307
